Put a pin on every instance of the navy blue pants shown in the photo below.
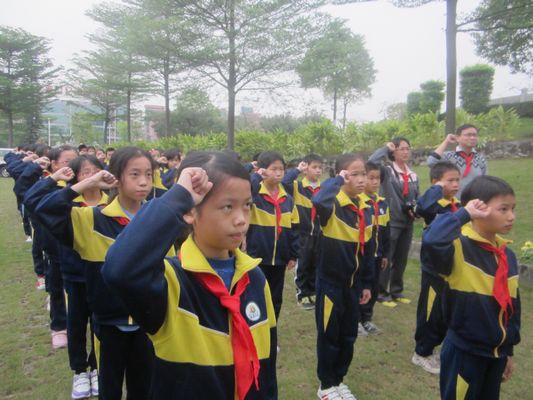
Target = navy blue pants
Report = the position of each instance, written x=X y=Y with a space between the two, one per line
x=54 y=287
x=124 y=353
x=306 y=267
x=430 y=325
x=37 y=253
x=275 y=276
x=337 y=316
x=78 y=316
x=467 y=376
x=367 y=310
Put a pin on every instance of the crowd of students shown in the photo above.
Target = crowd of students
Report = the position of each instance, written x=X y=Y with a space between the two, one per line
x=177 y=267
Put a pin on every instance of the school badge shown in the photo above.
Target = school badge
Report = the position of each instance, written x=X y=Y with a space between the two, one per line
x=253 y=313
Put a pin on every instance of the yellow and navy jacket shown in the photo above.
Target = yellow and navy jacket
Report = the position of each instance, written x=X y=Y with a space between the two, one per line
x=262 y=239
x=90 y=231
x=169 y=177
x=377 y=219
x=302 y=192
x=158 y=189
x=341 y=261
x=432 y=203
x=475 y=321
x=189 y=328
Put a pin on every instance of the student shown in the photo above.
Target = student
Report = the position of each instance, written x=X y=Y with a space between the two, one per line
x=84 y=384
x=108 y=154
x=208 y=313
x=481 y=298
x=173 y=160
x=57 y=158
x=344 y=276
x=308 y=228
x=82 y=149
x=470 y=162
x=124 y=347
x=100 y=155
x=430 y=325
x=271 y=235
x=377 y=223
x=400 y=188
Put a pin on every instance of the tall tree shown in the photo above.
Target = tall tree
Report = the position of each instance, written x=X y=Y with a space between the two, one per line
x=338 y=64
x=476 y=87
x=249 y=41
x=503 y=32
x=26 y=77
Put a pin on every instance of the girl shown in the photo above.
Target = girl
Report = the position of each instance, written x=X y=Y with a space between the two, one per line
x=209 y=313
x=400 y=188
x=124 y=348
x=344 y=274
x=271 y=236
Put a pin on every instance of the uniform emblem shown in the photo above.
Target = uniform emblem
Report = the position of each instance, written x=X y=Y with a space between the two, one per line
x=253 y=313
x=381 y=211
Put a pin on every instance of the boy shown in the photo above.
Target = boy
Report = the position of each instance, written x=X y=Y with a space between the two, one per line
x=481 y=298
x=173 y=160
x=430 y=326
x=377 y=224
x=308 y=229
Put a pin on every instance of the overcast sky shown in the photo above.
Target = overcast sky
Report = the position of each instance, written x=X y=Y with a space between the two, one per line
x=407 y=45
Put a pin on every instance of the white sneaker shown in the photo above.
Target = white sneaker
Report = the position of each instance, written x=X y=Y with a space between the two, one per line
x=329 y=394
x=430 y=363
x=81 y=386
x=361 y=331
x=345 y=392
x=48 y=303
x=29 y=239
x=94 y=383
x=40 y=284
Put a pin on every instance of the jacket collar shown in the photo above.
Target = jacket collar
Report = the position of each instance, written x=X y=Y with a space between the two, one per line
x=367 y=199
x=468 y=231
x=445 y=202
x=103 y=200
x=193 y=260
x=459 y=148
x=264 y=190
x=344 y=200
x=114 y=209
x=306 y=183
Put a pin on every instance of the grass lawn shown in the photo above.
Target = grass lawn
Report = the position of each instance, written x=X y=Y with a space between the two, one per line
x=381 y=369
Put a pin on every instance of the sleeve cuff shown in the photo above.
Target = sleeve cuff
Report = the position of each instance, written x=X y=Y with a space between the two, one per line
x=462 y=215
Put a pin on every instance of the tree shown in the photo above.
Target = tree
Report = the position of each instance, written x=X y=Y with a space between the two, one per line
x=195 y=114
x=413 y=103
x=432 y=96
x=338 y=64
x=503 y=32
x=249 y=41
x=26 y=77
x=396 y=111
x=476 y=87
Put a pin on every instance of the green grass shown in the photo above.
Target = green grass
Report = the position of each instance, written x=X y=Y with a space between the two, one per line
x=381 y=368
x=522 y=130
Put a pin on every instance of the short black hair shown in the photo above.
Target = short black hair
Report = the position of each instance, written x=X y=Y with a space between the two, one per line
x=461 y=128
x=485 y=188
x=313 y=158
x=396 y=142
x=55 y=152
x=344 y=160
x=81 y=147
x=41 y=149
x=119 y=161
x=77 y=163
x=109 y=149
x=172 y=153
x=372 y=166
x=218 y=166
x=437 y=170
x=268 y=157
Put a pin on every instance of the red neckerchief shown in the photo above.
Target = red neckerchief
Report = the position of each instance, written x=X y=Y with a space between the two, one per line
x=276 y=203
x=468 y=158
x=122 y=220
x=405 y=184
x=500 y=291
x=453 y=206
x=242 y=343
x=361 y=217
x=313 y=192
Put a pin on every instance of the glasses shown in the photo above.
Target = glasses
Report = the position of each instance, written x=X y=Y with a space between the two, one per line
x=469 y=134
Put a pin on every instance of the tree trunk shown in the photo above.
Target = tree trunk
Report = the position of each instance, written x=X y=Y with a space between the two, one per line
x=166 y=77
x=106 y=125
x=128 y=108
x=335 y=107
x=451 y=64
x=344 y=113
x=231 y=79
x=10 y=128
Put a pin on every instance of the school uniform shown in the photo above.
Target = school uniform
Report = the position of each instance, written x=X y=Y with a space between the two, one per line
x=90 y=231
x=169 y=177
x=401 y=190
x=481 y=305
x=158 y=189
x=45 y=244
x=377 y=225
x=470 y=165
x=15 y=166
x=191 y=327
x=343 y=271
x=308 y=230
x=272 y=235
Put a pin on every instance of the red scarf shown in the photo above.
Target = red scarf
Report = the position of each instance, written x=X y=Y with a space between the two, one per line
x=242 y=343
x=453 y=206
x=276 y=203
x=361 y=217
x=122 y=220
x=500 y=291
x=405 y=184
x=468 y=158
x=313 y=192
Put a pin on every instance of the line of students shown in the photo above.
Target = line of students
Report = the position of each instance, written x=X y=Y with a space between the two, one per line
x=191 y=297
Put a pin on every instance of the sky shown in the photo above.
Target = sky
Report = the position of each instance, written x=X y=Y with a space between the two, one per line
x=407 y=45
